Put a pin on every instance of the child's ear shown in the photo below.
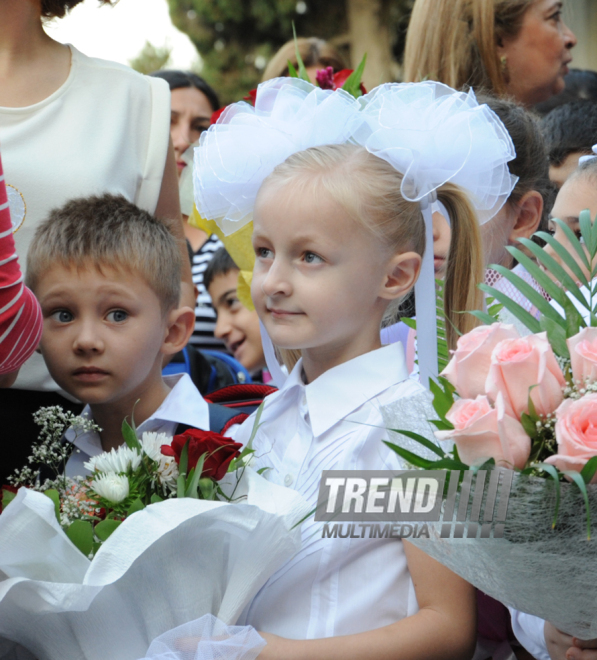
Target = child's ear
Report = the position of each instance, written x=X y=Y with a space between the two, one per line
x=401 y=275
x=181 y=323
x=528 y=216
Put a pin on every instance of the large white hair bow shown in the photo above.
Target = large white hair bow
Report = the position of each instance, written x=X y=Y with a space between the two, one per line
x=243 y=148
x=433 y=134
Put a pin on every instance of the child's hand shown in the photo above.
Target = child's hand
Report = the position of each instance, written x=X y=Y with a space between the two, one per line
x=565 y=647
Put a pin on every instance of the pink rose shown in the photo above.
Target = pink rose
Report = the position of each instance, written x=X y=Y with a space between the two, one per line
x=576 y=433
x=517 y=365
x=469 y=365
x=482 y=432
x=583 y=355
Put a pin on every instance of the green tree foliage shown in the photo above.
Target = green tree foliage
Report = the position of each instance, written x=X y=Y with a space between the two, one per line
x=151 y=58
x=236 y=38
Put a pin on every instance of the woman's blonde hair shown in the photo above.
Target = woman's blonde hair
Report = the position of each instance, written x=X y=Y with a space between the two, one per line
x=313 y=51
x=368 y=189
x=455 y=41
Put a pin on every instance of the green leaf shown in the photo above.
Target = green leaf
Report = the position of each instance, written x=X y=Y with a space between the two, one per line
x=256 y=423
x=441 y=425
x=129 y=435
x=484 y=317
x=193 y=481
x=515 y=309
x=556 y=336
x=565 y=255
x=574 y=242
x=443 y=397
x=155 y=498
x=54 y=495
x=554 y=289
x=292 y=72
x=137 y=505
x=353 y=82
x=579 y=481
x=7 y=497
x=184 y=459
x=411 y=323
x=586 y=231
x=448 y=464
x=180 y=485
x=408 y=456
x=207 y=487
x=103 y=530
x=262 y=470
x=302 y=72
x=528 y=425
x=588 y=471
x=529 y=291
x=553 y=473
x=422 y=441
x=80 y=532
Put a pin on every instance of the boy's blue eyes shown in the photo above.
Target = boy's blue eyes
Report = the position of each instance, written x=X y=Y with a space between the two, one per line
x=312 y=258
x=63 y=316
x=117 y=316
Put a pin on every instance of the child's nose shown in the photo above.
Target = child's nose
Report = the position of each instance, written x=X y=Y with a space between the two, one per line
x=87 y=339
x=277 y=281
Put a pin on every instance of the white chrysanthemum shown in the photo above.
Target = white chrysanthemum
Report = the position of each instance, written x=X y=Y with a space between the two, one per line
x=112 y=487
x=151 y=443
x=116 y=461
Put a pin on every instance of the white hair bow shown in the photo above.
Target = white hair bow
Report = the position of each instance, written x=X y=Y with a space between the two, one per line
x=584 y=159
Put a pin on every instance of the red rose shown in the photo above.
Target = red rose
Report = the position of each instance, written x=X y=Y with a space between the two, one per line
x=216 y=115
x=251 y=97
x=341 y=77
x=219 y=451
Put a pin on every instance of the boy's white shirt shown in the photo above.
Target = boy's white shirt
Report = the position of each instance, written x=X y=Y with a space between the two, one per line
x=333 y=586
x=183 y=405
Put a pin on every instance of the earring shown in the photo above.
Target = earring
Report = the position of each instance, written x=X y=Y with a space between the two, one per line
x=503 y=64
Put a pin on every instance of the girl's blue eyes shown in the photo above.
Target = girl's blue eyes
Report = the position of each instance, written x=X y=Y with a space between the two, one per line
x=264 y=253
x=312 y=258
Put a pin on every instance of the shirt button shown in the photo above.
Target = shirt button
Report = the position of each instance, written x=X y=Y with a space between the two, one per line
x=288 y=480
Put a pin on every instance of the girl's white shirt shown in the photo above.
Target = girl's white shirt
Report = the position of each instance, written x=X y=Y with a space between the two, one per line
x=333 y=586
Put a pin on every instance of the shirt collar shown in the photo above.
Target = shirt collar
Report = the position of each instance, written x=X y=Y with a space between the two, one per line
x=342 y=389
x=183 y=405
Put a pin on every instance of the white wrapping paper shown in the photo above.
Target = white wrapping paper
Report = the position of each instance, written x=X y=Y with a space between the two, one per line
x=167 y=565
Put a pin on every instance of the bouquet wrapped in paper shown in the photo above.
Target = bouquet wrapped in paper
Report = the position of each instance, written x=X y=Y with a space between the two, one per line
x=104 y=579
x=522 y=414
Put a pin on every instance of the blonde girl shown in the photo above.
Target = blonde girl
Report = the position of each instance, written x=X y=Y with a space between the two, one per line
x=337 y=242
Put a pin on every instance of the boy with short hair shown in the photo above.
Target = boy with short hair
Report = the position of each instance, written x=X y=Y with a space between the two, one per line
x=570 y=131
x=107 y=276
x=236 y=325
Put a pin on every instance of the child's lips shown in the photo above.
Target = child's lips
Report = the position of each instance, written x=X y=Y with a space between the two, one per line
x=282 y=313
x=89 y=374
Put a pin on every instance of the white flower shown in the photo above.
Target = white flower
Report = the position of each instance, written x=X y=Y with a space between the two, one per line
x=116 y=461
x=151 y=444
x=112 y=487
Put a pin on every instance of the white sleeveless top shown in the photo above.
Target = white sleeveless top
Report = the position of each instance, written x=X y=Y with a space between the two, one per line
x=105 y=129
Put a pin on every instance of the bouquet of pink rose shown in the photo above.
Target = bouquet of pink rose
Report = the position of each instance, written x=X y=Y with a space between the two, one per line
x=527 y=406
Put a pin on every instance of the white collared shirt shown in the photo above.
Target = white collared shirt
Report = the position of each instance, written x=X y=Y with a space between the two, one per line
x=333 y=586
x=183 y=405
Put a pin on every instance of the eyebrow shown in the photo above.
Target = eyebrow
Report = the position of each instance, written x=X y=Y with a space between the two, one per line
x=568 y=219
x=222 y=298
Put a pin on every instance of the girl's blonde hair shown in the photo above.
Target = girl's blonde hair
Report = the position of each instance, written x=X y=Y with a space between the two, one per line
x=368 y=189
x=455 y=41
x=313 y=51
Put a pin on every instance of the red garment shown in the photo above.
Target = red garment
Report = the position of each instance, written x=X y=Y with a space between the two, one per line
x=20 y=314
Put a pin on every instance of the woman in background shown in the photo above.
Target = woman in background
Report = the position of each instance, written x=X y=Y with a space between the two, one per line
x=192 y=104
x=517 y=48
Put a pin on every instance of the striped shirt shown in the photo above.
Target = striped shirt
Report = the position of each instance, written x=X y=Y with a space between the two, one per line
x=20 y=315
x=205 y=315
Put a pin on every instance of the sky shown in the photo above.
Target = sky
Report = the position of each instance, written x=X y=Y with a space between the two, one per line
x=119 y=32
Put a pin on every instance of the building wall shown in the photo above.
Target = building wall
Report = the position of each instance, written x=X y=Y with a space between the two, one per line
x=581 y=16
